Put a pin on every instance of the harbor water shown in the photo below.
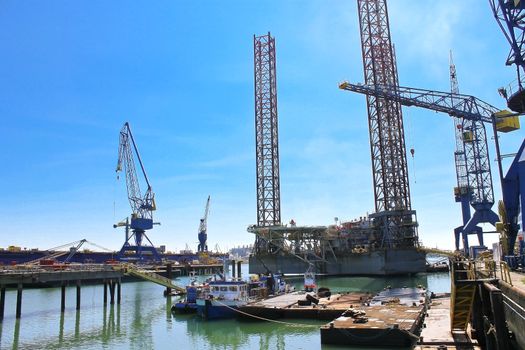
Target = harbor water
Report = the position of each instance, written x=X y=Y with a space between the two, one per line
x=144 y=320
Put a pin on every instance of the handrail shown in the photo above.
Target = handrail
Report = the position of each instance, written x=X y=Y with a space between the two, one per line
x=505 y=272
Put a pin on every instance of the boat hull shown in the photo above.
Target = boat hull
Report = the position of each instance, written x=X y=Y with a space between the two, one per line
x=213 y=310
x=184 y=308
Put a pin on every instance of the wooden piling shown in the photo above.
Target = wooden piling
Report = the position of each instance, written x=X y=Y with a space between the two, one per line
x=239 y=268
x=2 y=302
x=233 y=268
x=19 y=300
x=63 y=298
x=78 y=294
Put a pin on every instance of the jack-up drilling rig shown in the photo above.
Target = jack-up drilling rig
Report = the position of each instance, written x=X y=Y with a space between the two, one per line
x=383 y=243
x=142 y=206
x=203 y=229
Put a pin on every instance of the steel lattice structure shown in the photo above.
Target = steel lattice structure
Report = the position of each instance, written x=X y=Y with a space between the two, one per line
x=459 y=153
x=510 y=16
x=387 y=140
x=462 y=192
x=266 y=135
x=385 y=119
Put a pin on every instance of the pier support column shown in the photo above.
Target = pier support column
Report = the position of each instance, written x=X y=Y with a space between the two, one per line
x=62 y=297
x=118 y=292
x=112 y=292
x=239 y=268
x=2 y=302
x=19 y=300
x=78 y=295
x=233 y=268
x=169 y=275
x=105 y=292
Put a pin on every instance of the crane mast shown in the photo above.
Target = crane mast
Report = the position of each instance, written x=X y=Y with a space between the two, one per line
x=462 y=191
x=203 y=229
x=142 y=206
x=474 y=113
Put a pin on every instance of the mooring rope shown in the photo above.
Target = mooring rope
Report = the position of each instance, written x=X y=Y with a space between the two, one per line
x=291 y=324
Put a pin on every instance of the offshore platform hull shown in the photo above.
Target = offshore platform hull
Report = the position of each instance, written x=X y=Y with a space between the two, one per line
x=378 y=262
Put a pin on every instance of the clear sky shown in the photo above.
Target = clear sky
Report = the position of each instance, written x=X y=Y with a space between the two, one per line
x=181 y=72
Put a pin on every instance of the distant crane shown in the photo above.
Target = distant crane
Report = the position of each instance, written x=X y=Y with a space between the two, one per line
x=510 y=15
x=203 y=229
x=474 y=113
x=142 y=206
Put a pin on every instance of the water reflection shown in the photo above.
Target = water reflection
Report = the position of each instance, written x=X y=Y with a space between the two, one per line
x=144 y=320
x=16 y=336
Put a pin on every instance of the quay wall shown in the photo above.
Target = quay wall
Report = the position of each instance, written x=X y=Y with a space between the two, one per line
x=514 y=306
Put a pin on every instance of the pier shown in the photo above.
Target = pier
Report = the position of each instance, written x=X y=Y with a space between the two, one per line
x=72 y=275
x=110 y=276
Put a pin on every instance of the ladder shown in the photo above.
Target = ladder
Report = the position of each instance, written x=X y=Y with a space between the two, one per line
x=461 y=297
x=150 y=276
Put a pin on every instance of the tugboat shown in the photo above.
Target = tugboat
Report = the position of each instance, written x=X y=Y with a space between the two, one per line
x=222 y=299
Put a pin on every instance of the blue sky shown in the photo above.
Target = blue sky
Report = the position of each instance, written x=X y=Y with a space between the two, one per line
x=181 y=72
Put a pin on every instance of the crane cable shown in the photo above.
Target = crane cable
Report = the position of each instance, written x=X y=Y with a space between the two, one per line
x=412 y=151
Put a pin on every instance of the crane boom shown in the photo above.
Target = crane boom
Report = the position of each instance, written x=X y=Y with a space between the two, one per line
x=141 y=206
x=456 y=105
x=474 y=113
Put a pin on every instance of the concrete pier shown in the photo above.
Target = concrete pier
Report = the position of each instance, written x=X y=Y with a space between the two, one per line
x=36 y=276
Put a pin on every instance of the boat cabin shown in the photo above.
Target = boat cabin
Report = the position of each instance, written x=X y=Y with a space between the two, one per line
x=228 y=290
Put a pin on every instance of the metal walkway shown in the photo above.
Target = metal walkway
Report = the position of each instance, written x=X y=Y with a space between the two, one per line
x=150 y=276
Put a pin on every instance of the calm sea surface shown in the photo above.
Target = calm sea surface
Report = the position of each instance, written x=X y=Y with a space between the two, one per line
x=144 y=320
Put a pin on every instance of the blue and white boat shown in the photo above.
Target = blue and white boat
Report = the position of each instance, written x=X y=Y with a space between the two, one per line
x=222 y=299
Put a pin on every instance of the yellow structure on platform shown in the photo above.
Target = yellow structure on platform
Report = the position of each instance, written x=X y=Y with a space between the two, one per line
x=506 y=121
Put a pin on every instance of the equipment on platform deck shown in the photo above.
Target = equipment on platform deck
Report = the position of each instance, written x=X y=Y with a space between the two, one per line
x=203 y=229
x=142 y=206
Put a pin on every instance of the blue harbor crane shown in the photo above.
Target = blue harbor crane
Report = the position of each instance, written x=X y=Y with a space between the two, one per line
x=142 y=206
x=203 y=229
x=510 y=15
x=474 y=113
x=462 y=191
